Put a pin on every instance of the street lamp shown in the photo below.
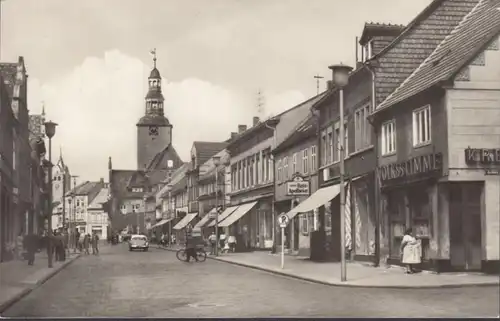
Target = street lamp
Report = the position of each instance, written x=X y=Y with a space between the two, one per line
x=50 y=131
x=341 y=79
x=216 y=160
x=170 y=212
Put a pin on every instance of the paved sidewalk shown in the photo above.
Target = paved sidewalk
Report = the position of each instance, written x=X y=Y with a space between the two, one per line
x=358 y=274
x=17 y=278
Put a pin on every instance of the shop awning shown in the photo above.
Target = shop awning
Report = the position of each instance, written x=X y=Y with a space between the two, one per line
x=228 y=211
x=236 y=215
x=185 y=221
x=319 y=198
x=162 y=222
x=204 y=220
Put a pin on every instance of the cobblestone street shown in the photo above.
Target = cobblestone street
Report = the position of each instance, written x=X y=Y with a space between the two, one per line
x=155 y=284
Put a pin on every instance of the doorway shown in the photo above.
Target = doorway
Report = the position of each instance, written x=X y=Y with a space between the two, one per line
x=465 y=225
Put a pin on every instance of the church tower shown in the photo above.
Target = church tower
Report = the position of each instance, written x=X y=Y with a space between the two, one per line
x=154 y=131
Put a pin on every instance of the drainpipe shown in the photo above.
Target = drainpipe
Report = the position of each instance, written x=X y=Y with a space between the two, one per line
x=273 y=215
x=376 y=174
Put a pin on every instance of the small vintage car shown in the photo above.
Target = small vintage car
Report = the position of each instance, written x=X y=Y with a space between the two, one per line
x=138 y=242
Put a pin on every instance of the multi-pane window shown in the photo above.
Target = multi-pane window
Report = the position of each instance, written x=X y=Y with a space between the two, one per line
x=264 y=167
x=258 y=172
x=305 y=161
x=324 y=148
x=285 y=168
x=329 y=142
x=278 y=171
x=250 y=170
x=388 y=137
x=422 y=126
x=294 y=163
x=362 y=135
x=336 y=146
x=313 y=159
x=346 y=141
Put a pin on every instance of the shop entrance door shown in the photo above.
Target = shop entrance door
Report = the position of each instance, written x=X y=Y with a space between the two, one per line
x=465 y=225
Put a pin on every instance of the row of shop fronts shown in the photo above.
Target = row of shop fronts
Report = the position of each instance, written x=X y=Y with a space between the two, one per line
x=421 y=151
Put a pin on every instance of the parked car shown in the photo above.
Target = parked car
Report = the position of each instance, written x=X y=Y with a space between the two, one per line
x=138 y=242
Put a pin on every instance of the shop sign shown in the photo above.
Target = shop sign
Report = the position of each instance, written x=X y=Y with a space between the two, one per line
x=424 y=166
x=297 y=187
x=482 y=156
x=492 y=171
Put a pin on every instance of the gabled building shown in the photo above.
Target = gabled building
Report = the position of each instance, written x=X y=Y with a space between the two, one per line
x=439 y=154
x=79 y=201
x=17 y=204
x=251 y=217
x=390 y=53
x=296 y=177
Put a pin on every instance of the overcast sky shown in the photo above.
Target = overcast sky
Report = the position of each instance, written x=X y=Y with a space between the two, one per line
x=89 y=60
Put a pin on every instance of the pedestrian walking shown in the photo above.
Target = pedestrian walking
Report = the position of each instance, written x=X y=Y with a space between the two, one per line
x=411 y=251
x=20 y=246
x=32 y=246
x=231 y=241
x=222 y=240
x=77 y=240
x=86 y=244
x=212 y=239
x=191 y=249
x=95 y=243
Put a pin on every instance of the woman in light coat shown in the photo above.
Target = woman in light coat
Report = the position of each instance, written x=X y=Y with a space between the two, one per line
x=411 y=251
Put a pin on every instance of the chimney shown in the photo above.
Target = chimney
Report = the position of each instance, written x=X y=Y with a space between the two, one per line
x=233 y=135
x=241 y=128
x=329 y=84
x=256 y=121
x=101 y=180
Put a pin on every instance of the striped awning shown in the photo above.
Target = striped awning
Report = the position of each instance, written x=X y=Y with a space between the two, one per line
x=185 y=221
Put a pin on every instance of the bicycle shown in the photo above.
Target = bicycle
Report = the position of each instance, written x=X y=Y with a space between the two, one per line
x=201 y=255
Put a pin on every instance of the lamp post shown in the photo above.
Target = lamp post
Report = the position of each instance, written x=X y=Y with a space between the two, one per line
x=50 y=131
x=216 y=160
x=340 y=79
x=170 y=207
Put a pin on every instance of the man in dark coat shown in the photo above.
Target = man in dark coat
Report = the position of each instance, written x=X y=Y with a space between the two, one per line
x=32 y=245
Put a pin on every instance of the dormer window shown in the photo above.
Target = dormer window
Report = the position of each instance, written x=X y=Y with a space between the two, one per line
x=368 y=50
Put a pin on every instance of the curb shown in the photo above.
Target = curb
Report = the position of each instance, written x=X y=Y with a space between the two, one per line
x=350 y=285
x=4 y=306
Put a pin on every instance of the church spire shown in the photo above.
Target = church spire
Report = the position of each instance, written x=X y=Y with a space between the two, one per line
x=154 y=98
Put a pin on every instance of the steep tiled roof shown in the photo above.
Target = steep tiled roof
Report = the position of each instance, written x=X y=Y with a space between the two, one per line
x=283 y=128
x=475 y=31
x=160 y=161
x=101 y=198
x=119 y=182
x=205 y=150
x=180 y=185
x=416 y=42
x=89 y=189
x=305 y=130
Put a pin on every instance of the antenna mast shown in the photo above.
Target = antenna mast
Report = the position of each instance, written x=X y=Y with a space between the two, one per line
x=317 y=77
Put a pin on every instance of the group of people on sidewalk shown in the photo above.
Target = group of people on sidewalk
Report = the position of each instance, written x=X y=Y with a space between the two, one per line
x=226 y=243
x=82 y=242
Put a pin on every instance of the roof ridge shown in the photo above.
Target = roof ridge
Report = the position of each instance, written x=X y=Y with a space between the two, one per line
x=432 y=55
x=295 y=129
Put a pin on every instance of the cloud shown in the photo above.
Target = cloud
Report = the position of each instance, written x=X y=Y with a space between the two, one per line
x=99 y=102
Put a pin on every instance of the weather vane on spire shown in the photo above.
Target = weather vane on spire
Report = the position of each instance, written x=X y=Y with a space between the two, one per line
x=153 y=52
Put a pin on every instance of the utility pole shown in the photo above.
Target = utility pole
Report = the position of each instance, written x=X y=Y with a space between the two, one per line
x=317 y=77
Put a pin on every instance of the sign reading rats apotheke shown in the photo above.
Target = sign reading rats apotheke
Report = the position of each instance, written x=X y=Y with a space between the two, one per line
x=298 y=186
x=420 y=167
x=489 y=156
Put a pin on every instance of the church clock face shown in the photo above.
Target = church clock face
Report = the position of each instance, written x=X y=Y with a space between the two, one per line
x=153 y=130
